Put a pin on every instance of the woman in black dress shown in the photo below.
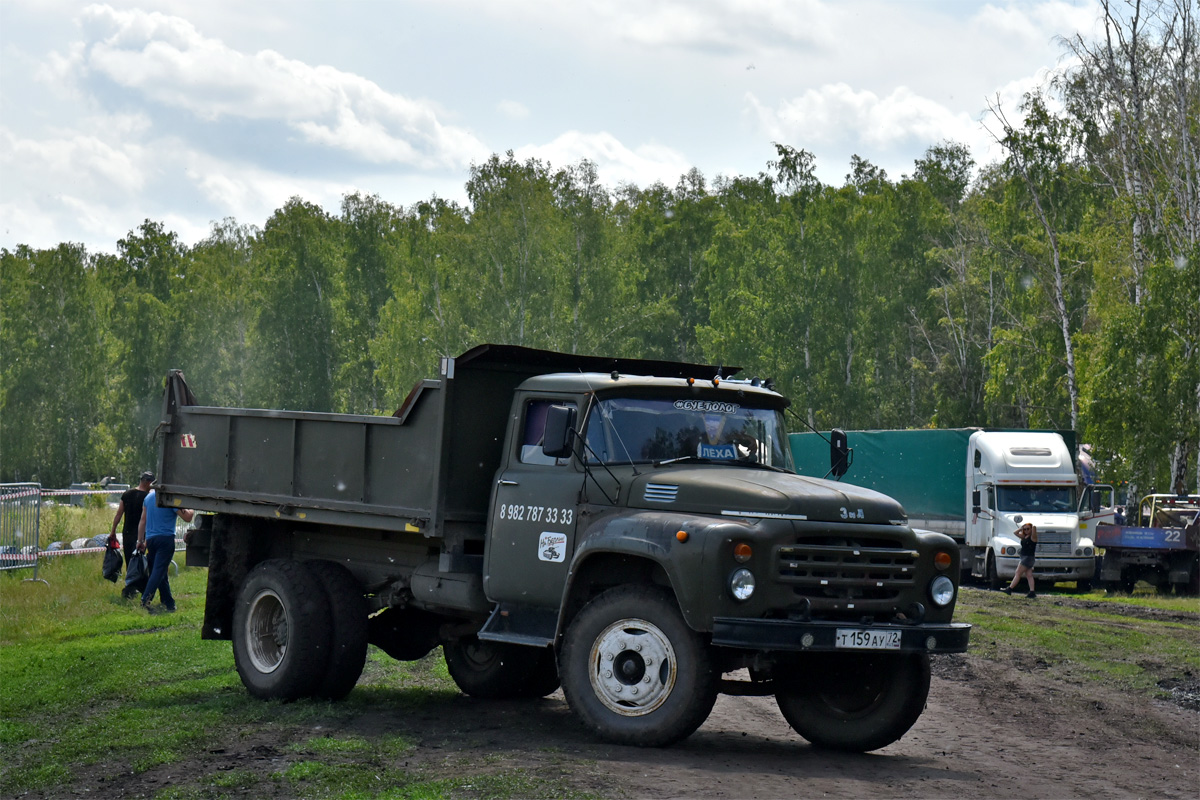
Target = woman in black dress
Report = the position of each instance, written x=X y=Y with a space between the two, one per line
x=1027 y=533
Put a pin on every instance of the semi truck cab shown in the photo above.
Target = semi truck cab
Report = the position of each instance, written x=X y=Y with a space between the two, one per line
x=1015 y=477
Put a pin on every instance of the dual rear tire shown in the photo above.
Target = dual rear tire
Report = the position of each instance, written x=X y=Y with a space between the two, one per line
x=299 y=630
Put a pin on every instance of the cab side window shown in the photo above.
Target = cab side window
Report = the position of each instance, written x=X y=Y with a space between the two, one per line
x=534 y=430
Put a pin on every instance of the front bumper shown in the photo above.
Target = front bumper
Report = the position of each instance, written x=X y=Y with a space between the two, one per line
x=820 y=636
x=1076 y=568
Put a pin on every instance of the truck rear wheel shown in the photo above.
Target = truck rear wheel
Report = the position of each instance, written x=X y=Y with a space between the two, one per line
x=348 y=615
x=633 y=670
x=855 y=702
x=492 y=670
x=281 y=631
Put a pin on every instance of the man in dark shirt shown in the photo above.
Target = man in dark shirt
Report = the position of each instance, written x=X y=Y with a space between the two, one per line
x=130 y=507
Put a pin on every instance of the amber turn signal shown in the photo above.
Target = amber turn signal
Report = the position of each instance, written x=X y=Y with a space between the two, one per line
x=681 y=536
x=942 y=560
x=742 y=552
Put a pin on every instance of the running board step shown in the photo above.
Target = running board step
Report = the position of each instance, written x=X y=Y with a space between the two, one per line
x=525 y=625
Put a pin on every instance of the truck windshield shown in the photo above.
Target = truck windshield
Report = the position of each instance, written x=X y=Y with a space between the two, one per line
x=624 y=430
x=1036 y=499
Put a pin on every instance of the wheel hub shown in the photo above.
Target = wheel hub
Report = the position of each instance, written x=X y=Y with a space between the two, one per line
x=632 y=667
x=266 y=631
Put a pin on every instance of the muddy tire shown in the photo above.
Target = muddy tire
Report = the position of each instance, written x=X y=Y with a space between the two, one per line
x=633 y=671
x=855 y=702
x=491 y=670
x=348 y=631
x=281 y=631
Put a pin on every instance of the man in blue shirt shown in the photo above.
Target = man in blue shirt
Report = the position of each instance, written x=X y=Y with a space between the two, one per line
x=156 y=538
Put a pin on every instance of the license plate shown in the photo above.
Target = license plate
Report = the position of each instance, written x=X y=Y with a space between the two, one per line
x=868 y=640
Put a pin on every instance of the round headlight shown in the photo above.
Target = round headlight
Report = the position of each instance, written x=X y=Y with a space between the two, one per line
x=941 y=591
x=741 y=584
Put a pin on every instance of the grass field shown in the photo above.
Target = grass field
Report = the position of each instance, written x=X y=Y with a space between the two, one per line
x=92 y=687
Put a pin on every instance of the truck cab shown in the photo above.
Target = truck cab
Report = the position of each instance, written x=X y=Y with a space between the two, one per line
x=1015 y=477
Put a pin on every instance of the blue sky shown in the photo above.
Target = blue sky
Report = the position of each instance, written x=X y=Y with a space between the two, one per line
x=187 y=113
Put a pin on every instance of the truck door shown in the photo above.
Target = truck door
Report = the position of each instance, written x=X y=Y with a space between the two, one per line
x=533 y=518
x=1106 y=514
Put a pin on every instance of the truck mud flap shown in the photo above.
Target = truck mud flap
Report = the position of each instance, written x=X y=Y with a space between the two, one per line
x=822 y=636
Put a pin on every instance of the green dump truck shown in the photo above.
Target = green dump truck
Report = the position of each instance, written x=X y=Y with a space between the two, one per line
x=632 y=530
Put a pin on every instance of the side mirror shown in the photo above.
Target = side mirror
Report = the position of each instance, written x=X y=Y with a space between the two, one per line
x=839 y=452
x=560 y=431
x=975 y=507
x=1094 y=501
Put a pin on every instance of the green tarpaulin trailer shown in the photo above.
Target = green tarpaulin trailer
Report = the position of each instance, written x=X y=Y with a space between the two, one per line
x=925 y=469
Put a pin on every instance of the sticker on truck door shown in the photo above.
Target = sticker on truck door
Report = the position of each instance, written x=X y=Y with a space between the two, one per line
x=188 y=441
x=552 y=546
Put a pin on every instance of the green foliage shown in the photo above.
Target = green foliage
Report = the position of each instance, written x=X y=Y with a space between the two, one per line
x=1055 y=289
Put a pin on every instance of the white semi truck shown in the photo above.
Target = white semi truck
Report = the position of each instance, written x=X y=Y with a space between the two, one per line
x=979 y=486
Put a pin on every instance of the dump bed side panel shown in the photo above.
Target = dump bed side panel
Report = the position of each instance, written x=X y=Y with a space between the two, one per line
x=355 y=470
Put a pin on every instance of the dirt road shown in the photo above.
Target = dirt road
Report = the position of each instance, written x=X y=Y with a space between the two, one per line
x=1004 y=728
x=992 y=729
x=988 y=731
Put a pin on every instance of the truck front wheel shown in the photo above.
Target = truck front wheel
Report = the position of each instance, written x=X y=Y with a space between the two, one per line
x=633 y=670
x=993 y=576
x=855 y=702
x=281 y=625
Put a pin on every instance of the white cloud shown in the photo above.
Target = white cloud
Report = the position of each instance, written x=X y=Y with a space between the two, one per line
x=614 y=162
x=732 y=26
x=1034 y=25
x=512 y=109
x=166 y=60
x=83 y=161
x=837 y=112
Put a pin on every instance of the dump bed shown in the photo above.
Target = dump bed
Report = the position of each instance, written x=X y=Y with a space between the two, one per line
x=362 y=471
x=427 y=467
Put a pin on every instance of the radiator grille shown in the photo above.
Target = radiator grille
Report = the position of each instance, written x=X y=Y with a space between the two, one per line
x=847 y=568
x=1054 y=542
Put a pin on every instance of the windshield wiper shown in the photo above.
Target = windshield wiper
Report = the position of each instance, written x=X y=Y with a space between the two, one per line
x=737 y=462
x=688 y=459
